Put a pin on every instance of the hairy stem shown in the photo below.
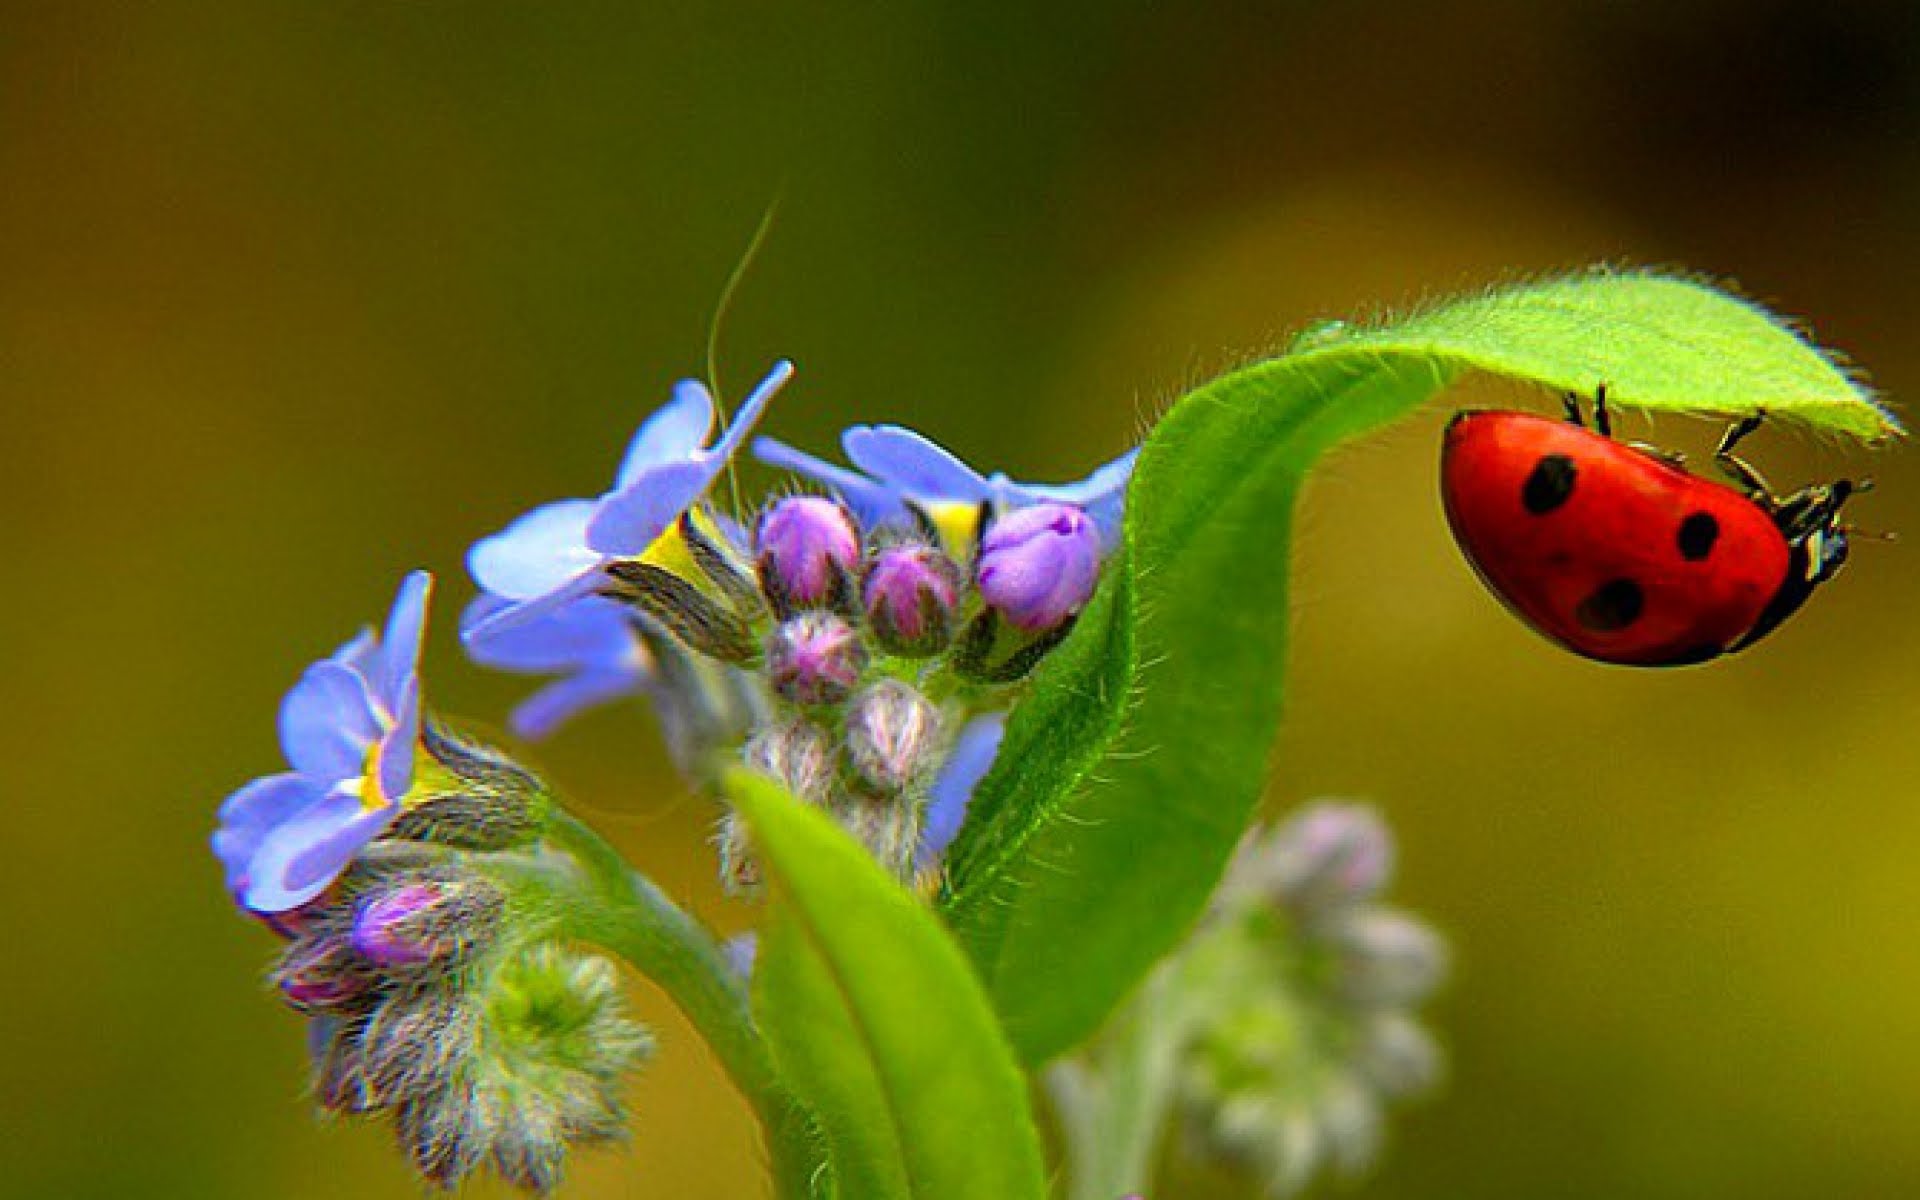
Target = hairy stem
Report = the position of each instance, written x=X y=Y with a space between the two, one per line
x=1115 y=1097
x=1114 y=1102
x=607 y=903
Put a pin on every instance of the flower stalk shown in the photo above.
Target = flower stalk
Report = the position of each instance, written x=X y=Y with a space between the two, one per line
x=598 y=898
x=1116 y=1103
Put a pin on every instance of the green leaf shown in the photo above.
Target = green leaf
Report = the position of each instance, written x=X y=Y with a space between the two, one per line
x=1082 y=863
x=877 y=1022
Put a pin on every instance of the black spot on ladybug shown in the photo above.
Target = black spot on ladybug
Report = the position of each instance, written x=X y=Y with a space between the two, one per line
x=1548 y=484
x=1612 y=606
x=1698 y=533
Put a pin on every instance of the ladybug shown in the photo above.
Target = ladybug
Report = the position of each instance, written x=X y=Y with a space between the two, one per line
x=1615 y=551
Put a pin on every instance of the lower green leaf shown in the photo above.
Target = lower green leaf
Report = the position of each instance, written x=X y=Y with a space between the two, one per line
x=878 y=1023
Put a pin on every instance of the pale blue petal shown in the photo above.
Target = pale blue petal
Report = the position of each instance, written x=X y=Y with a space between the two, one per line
x=1102 y=495
x=1107 y=513
x=589 y=632
x=392 y=762
x=910 y=463
x=751 y=410
x=628 y=521
x=478 y=612
x=327 y=723
x=946 y=811
x=512 y=615
x=300 y=857
x=1109 y=478
x=358 y=654
x=253 y=812
x=740 y=951
x=557 y=703
x=874 y=503
x=675 y=432
x=541 y=551
x=400 y=645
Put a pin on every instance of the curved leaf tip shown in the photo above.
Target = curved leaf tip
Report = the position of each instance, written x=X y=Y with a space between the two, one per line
x=1658 y=341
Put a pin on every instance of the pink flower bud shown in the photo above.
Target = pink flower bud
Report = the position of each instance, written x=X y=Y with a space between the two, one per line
x=910 y=596
x=815 y=658
x=428 y=921
x=320 y=973
x=807 y=553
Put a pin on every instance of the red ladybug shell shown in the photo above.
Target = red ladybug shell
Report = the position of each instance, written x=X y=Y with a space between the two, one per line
x=1606 y=549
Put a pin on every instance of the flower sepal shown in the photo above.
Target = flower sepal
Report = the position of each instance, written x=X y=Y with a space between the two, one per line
x=471 y=796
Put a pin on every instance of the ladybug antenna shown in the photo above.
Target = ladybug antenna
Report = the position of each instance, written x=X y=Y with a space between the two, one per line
x=1843 y=488
x=1871 y=535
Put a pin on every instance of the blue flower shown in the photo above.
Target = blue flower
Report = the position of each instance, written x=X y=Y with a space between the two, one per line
x=349 y=729
x=591 y=642
x=897 y=466
x=553 y=554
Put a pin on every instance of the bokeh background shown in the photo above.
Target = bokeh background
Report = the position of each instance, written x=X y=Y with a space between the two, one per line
x=297 y=296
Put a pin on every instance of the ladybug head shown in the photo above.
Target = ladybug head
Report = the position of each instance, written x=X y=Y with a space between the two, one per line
x=1810 y=521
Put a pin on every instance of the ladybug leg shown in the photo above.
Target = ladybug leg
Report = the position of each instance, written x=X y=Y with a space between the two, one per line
x=1672 y=458
x=1602 y=421
x=1738 y=469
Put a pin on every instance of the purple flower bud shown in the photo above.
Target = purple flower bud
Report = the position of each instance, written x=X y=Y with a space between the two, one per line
x=893 y=737
x=1039 y=565
x=910 y=595
x=815 y=658
x=1325 y=859
x=808 y=549
x=320 y=973
x=428 y=921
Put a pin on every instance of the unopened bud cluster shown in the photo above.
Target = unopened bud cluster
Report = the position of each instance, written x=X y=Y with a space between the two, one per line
x=1310 y=989
x=482 y=1051
x=872 y=647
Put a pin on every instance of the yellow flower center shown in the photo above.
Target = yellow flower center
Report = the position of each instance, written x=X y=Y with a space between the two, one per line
x=371 y=797
x=959 y=524
x=669 y=551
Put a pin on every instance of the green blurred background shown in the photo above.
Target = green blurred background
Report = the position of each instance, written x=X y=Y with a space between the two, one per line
x=295 y=296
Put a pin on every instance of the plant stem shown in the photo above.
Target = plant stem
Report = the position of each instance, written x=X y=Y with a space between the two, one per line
x=1114 y=1104
x=609 y=904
